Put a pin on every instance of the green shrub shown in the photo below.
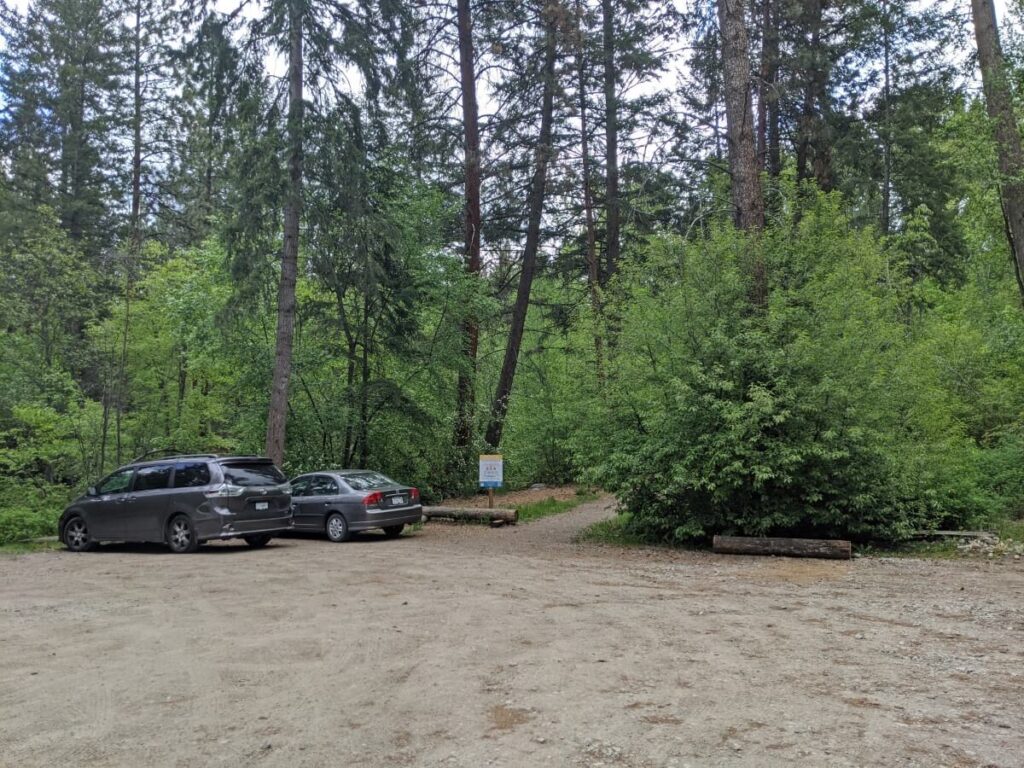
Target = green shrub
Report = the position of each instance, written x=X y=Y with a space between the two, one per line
x=805 y=419
x=20 y=524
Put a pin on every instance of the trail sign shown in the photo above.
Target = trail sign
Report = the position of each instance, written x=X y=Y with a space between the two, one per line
x=491 y=471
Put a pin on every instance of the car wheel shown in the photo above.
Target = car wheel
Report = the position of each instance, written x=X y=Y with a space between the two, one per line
x=256 y=542
x=181 y=535
x=393 y=531
x=76 y=535
x=337 y=528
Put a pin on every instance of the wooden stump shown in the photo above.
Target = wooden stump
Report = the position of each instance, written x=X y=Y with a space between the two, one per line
x=832 y=549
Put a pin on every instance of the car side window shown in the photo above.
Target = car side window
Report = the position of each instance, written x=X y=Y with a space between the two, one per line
x=324 y=486
x=191 y=474
x=117 y=482
x=300 y=487
x=152 y=478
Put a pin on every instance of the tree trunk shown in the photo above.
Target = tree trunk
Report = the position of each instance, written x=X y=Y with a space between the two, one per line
x=135 y=222
x=885 y=216
x=747 y=197
x=499 y=406
x=364 y=374
x=278 y=412
x=471 y=133
x=613 y=212
x=593 y=267
x=769 y=157
x=814 y=142
x=999 y=104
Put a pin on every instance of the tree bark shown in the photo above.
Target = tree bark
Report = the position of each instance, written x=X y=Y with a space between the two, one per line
x=999 y=104
x=885 y=216
x=135 y=222
x=831 y=549
x=593 y=266
x=747 y=198
x=499 y=406
x=814 y=142
x=278 y=412
x=769 y=156
x=471 y=134
x=613 y=212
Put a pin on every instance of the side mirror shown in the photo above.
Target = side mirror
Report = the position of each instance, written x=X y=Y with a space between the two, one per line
x=91 y=491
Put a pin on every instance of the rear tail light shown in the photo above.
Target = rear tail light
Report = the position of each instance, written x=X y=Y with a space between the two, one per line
x=414 y=494
x=374 y=498
x=225 y=491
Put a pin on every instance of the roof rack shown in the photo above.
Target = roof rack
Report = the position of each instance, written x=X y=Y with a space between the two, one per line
x=171 y=453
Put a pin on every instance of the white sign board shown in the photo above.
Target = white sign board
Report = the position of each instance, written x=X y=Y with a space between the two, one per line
x=491 y=471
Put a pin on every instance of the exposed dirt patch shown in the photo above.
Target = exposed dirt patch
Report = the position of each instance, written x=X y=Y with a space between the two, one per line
x=506 y=718
x=470 y=646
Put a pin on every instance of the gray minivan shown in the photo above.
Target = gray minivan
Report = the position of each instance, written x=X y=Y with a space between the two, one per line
x=182 y=501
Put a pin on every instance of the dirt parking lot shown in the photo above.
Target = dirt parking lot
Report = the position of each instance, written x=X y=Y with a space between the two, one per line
x=467 y=646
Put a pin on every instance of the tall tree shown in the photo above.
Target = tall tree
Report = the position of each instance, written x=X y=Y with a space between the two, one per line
x=471 y=215
x=586 y=180
x=277 y=415
x=613 y=209
x=747 y=197
x=318 y=37
x=535 y=205
x=999 y=104
x=768 y=147
x=61 y=74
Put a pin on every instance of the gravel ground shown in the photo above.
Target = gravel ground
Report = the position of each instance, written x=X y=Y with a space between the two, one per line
x=470 y=646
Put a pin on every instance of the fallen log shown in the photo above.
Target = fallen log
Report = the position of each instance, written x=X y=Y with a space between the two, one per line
x=832 y=549
x=510 y=516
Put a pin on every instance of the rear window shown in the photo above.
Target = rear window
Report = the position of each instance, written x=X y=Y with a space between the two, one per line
x=249 y=474
x=191 y=474
x=366 y=481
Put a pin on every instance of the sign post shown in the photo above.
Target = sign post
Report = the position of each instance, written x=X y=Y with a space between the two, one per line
x=491 y=475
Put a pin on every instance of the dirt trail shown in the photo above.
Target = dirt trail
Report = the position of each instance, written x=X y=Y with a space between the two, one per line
x=470 y=646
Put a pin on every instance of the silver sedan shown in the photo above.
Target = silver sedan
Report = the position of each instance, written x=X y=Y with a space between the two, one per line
x=341 y=502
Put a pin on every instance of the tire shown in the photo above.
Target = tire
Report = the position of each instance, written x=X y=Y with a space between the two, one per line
x=393 y=531
x=336 y=528
x=75 y=535
x=181 y=535
x=258 y=542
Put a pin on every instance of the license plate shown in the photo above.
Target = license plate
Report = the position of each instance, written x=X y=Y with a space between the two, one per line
x=262 y=505
x=397 y=501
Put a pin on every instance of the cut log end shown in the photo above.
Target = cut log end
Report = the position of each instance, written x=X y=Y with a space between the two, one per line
x=831 y=549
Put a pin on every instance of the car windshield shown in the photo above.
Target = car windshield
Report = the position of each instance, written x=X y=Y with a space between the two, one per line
x=366 y=481
x=250 y=473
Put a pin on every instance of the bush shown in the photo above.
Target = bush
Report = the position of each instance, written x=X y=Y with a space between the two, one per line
x=802 y=420
x=20 y=524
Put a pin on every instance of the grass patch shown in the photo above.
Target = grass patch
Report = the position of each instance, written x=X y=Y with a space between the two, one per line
x=552 y=506
x=27 y=547
x=1010 y=529
x=926 y=550
x=614 y=532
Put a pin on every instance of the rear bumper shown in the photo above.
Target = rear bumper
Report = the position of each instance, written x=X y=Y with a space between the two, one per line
x=387 y=517
x=208 y=530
